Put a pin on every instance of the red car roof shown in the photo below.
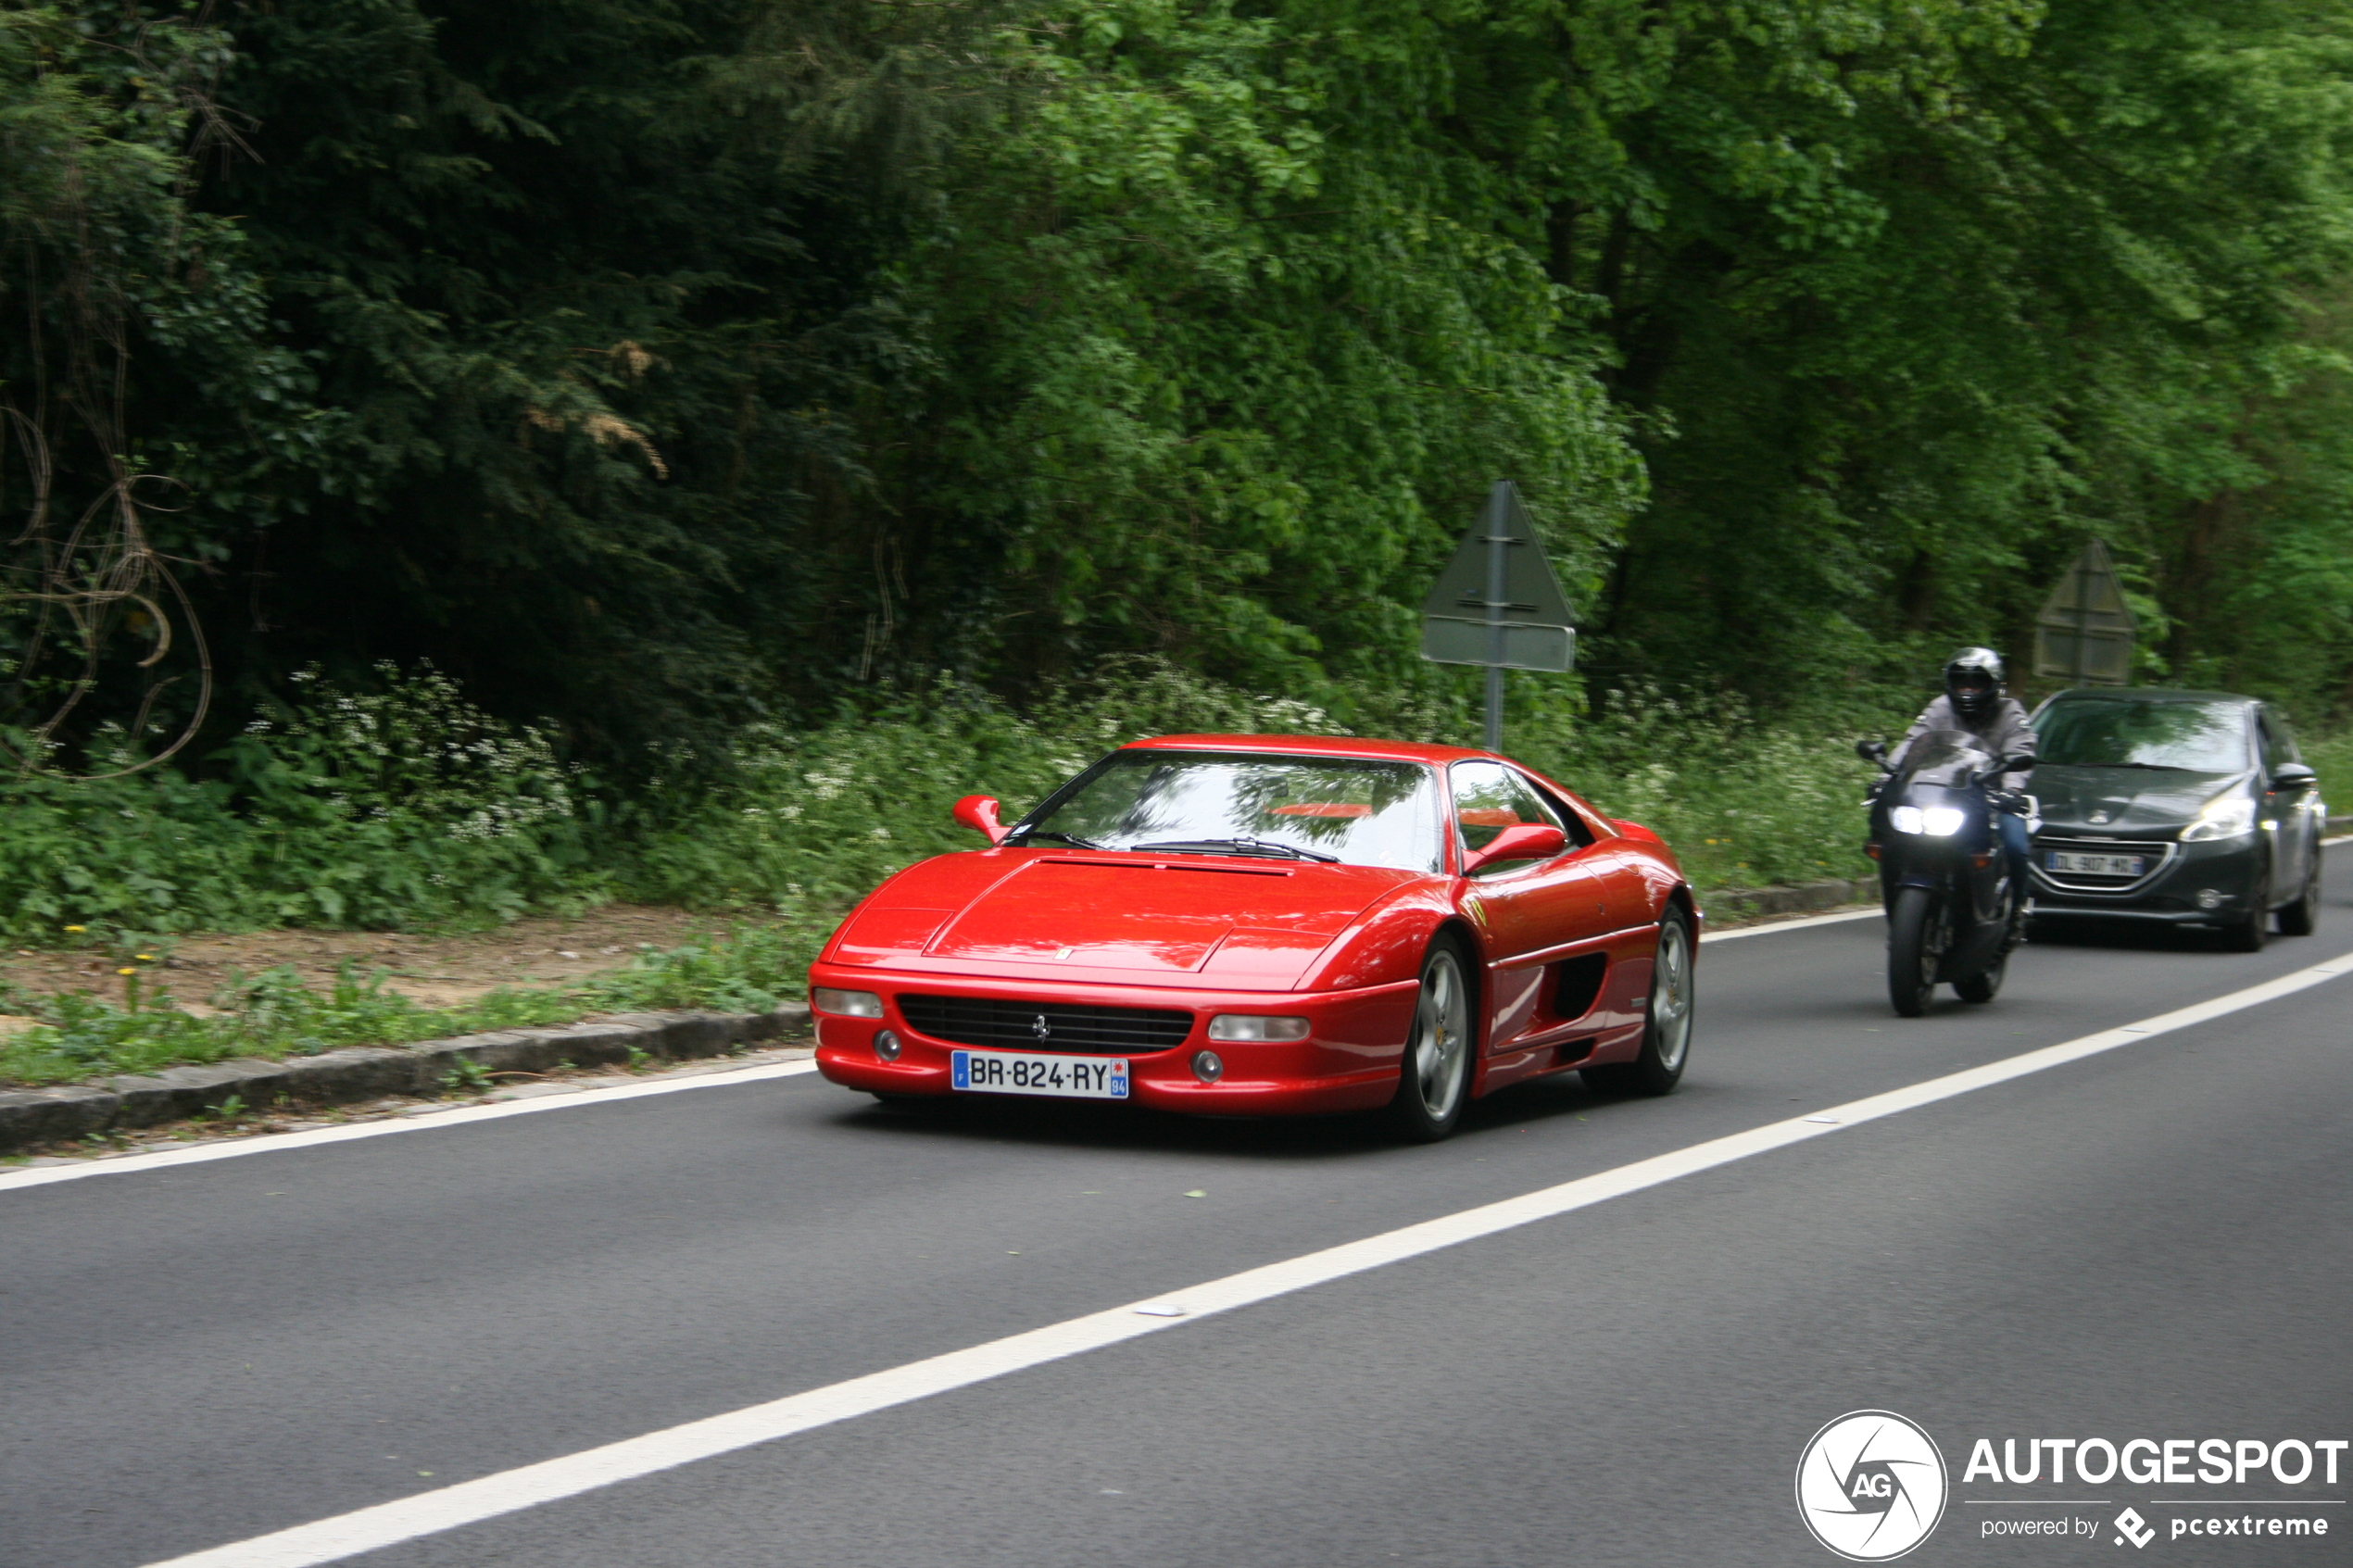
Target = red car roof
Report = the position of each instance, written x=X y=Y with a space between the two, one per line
x=1327 y=746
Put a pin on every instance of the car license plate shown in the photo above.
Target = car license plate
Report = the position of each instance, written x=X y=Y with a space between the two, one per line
x=1027 y=1072
x=2095 y=865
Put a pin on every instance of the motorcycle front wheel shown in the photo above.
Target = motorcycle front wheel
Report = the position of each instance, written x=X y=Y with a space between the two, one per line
x=1915 y=942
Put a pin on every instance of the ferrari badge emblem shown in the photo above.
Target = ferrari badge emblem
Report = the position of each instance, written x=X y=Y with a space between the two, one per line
x=1040 y=1027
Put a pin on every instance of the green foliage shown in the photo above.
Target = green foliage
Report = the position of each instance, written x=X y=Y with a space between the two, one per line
x=405 y=807
x=1741 y=803
x=273 y=1014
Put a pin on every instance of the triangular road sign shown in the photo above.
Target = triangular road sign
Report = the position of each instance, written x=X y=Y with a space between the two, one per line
x=1497 y=602
x=2084 y=634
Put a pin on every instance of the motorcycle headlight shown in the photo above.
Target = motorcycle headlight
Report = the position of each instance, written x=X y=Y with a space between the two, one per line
x=1934 y=822
x=2226 y=816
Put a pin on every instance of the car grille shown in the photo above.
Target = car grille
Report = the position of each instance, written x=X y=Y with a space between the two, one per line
x=1046 y=1026
x=2158 y=853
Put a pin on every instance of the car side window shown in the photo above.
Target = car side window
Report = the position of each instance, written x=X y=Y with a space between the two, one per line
x=2273 y=755
x=1570 y=820
x=1490 y=797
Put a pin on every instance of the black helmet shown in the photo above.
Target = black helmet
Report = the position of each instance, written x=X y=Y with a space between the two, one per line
x=1973 y=682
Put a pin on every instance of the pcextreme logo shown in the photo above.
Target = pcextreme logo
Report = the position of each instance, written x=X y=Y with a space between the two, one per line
x=1871 y=1486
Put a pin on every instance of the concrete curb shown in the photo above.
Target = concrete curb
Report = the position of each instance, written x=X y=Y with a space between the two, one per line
x=1805 y=897
x=38 y=1116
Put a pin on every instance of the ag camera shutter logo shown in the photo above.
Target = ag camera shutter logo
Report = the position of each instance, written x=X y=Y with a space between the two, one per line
x=1871 y=1486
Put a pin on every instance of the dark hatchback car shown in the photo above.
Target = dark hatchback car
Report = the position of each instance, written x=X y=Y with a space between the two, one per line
x=2187 y=807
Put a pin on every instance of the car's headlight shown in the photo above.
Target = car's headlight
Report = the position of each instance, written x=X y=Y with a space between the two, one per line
x=849 y=1004
x=2226 y=816
x=1250 y=1026
x=1934 y=822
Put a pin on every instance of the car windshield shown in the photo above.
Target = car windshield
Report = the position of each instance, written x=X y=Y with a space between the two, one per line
x=1364 y=813
x=2200 y=737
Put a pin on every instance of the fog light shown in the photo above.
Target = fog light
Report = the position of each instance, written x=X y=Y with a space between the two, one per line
x=1236 y=1026
x=887 y=1046
x=2209 y=899
x=1207 y=1068
x=849 y=1004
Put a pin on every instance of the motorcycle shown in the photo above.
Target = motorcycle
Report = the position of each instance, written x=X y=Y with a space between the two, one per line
x=1954 y=908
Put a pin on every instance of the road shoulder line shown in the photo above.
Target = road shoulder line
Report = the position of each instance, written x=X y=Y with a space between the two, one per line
x=489 y=1496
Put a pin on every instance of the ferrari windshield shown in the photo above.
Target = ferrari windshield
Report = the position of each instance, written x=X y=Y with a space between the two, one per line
x=1229 y=803
x=2200 y=737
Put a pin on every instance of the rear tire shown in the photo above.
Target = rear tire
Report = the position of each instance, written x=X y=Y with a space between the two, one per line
x=2298 y=918
x=1986 y=983
x=1915 y=931
x=1433 y=1081
x=1667 y=1028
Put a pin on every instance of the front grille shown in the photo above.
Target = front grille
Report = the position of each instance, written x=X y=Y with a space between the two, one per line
x=2158 y=853
x=1046 y=1026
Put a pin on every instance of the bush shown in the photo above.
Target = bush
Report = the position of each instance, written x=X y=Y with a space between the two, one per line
x=378 y=810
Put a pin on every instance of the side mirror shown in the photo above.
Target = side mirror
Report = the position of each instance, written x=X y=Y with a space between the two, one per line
x=1872 y=751
x=978 y=812
x=2294 y=775
x=1522 y=841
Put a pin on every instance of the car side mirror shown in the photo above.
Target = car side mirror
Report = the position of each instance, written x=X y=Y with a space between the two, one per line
x=1872 y=751
x=2294 y=775
x=978 y=812
x=1522 y=841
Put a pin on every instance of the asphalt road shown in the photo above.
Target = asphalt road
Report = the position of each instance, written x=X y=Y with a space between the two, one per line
x=2152 y=1242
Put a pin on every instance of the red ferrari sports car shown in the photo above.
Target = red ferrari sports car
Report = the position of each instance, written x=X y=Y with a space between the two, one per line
x=1272 y=924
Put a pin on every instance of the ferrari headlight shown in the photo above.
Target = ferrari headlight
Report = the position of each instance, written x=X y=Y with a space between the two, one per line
x=849 y=1004
x=2226 y=816
x=1933 y=822
x=1250 y=1026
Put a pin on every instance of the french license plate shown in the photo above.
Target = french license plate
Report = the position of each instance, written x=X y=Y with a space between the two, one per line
x=1027 y=1072
x=2095 y=865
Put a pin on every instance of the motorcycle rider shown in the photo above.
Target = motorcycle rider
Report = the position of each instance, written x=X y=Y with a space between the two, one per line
x=1975 y=701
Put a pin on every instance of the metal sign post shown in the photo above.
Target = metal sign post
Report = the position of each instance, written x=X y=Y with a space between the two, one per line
x=1497 y=604
x=2084 y=637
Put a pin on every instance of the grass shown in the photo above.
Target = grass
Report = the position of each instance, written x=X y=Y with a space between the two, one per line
x=272 y=1014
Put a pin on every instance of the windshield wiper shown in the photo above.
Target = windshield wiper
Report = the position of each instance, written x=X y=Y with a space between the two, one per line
x=1241 y=846
x=1070 y=838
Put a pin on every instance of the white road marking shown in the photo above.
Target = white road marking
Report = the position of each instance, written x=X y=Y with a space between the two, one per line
x=272 y=1143
x=448 y=1508
x=1791 y=924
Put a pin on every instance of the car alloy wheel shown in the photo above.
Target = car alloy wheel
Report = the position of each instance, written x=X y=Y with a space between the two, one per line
x=1435 y=1078
x=1667 y=1032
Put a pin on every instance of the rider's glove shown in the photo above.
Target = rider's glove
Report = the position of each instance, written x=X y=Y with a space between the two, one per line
x=2010 y=800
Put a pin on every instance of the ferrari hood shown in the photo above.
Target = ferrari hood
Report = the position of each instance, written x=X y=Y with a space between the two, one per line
x=1259 y=921
x=2121 y=801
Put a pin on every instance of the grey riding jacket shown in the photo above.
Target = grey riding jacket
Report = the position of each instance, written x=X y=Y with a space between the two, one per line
x=2002 y=733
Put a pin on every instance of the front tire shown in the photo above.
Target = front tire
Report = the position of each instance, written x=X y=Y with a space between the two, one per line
x=2298 y=918
x=1914 y=929
x=1666 y=1029
x=2248 y=933
x=1433 y=1082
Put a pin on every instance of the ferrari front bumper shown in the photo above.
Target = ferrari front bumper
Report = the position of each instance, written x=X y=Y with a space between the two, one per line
x=1348 y=1060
